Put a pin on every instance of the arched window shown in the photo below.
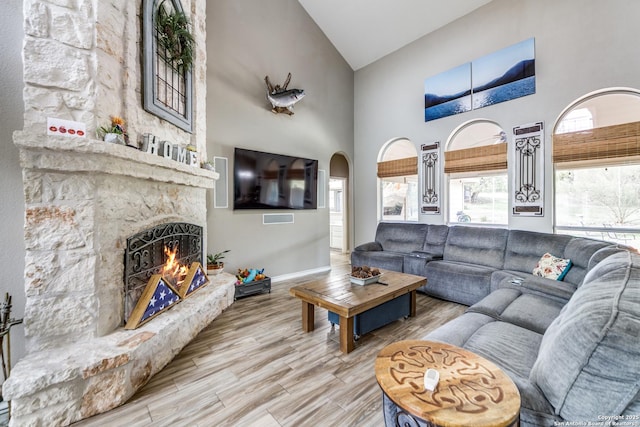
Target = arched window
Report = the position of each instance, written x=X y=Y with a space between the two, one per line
x=476 y=170
x=597 y=168
x=398 y=181
x=575 y=120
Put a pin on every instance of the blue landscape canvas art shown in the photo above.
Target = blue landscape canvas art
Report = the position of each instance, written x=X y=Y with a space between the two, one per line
x=504 y=75
x=500 y=76
x=448 y=93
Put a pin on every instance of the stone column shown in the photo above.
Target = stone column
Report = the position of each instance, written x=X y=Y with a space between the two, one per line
x=82 y=63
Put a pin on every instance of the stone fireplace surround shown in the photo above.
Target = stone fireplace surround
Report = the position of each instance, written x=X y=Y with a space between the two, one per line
x=83 y=199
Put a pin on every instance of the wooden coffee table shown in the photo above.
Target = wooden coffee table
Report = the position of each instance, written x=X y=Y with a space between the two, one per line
x=472 y=391
x=345 y=299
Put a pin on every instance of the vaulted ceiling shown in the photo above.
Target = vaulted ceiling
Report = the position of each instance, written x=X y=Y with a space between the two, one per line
x=364 y=31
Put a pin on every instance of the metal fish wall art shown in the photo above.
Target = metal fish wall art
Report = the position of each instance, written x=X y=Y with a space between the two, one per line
x=282 y=99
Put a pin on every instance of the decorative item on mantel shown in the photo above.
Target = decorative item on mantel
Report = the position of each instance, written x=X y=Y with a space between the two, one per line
x=209 y=165
x=251 y=281
x=153 y=145
x=114 y=133
x=281 y=99
x=214 y=265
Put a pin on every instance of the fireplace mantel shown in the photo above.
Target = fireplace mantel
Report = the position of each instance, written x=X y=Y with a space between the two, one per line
x=68 y=154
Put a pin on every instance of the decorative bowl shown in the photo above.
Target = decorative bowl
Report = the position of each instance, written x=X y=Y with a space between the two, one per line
x=367 y=281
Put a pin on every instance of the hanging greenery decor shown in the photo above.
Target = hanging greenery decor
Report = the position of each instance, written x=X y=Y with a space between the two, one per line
x=174 y=36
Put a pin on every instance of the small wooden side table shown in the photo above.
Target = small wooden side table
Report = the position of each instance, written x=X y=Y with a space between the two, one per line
x=472 y=391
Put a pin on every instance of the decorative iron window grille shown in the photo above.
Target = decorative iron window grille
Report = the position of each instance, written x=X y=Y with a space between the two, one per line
x=430 y=179
x=529 y=170
x=167 y=86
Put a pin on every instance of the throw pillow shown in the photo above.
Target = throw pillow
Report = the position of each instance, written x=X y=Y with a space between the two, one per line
x=552 y=267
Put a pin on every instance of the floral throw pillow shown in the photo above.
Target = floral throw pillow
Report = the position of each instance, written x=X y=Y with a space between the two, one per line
x=552 y=267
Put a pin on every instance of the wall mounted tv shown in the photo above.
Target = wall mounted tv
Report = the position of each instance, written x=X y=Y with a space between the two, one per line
x=273 y=181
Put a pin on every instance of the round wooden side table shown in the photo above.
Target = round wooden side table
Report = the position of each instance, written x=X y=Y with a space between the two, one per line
x=472 y=391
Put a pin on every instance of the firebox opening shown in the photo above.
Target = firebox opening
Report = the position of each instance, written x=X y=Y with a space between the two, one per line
x=168 y=250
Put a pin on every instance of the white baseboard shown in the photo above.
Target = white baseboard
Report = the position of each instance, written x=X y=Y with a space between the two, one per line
x=297 y=274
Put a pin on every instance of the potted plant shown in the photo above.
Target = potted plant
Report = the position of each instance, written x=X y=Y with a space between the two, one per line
x=115 y=133
x=214 y=263
x=208 y=164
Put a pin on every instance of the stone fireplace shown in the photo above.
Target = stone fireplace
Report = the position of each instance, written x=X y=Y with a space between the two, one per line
x=85 y=197
x=83 y=201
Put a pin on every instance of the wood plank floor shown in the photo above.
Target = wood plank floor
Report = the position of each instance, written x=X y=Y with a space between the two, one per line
x=254 y=366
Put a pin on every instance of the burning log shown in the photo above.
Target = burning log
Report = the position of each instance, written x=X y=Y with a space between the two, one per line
x=173 y=271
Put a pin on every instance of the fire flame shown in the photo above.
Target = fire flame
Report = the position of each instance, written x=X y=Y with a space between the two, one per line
x=173 y=270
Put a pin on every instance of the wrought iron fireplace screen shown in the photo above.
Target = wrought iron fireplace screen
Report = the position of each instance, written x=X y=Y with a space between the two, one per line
x=145 y=256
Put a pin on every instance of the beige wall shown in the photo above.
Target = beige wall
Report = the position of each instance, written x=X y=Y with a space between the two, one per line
x=581 y=46
x=247 y=40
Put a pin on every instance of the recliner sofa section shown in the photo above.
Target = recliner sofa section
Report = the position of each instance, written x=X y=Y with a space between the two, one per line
x=577 y=361
x=464 y=264
x=393 y=241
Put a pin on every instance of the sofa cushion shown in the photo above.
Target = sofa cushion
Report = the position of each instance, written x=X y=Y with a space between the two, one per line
x=511 y=347
x=532 y=312
x=603 y=253
x=589 y=359
x=580 y=251
x=552 y=267
x=401 y=237
x=552 y=289
x=457 y=331
x=436 y=239
x=458 y=281
x=526 y=310
x=524 y=248
x=514 y=350
x=475 y=245
x=495 y=303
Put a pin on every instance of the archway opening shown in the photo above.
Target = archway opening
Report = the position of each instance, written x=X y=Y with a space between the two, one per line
x=339 y=203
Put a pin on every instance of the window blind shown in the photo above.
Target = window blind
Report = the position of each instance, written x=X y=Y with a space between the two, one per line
x=603 y=144
x=399 y=167
x=476 y=159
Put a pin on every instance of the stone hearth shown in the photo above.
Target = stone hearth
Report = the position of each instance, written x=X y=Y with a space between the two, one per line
x=82 y=202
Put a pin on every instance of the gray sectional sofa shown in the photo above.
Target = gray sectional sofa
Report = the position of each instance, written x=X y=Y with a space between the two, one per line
x=572 y=347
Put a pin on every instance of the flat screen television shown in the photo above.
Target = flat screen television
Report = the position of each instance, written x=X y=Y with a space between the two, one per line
x=273 y=181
